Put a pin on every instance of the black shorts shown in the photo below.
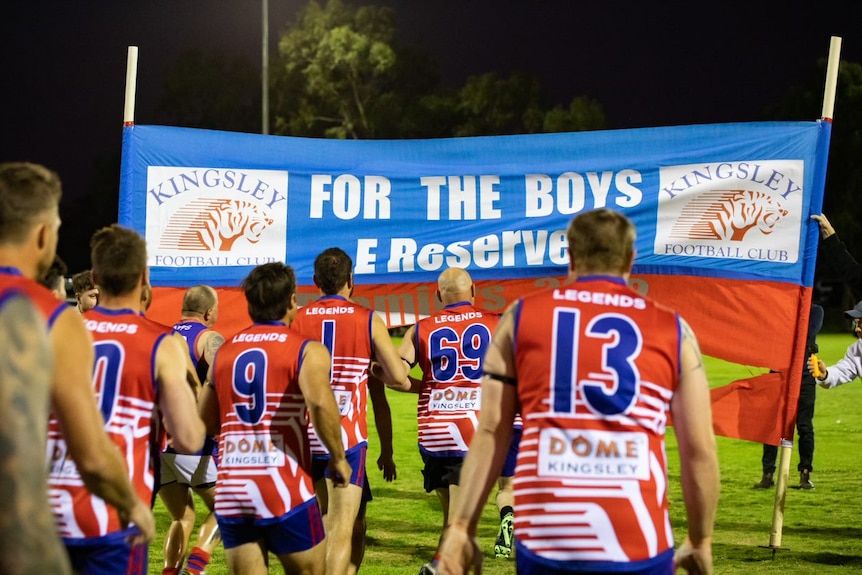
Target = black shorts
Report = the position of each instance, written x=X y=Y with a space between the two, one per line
x=441 y=472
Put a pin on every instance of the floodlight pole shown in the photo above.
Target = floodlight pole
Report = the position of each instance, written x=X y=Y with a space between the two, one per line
x=265 y=71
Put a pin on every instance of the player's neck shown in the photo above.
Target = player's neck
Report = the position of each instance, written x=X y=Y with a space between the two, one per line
x=126 y=301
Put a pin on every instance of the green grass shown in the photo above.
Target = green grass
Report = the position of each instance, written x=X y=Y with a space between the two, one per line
x=822 y=531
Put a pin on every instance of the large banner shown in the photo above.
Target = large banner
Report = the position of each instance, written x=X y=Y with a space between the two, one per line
x=722 y=213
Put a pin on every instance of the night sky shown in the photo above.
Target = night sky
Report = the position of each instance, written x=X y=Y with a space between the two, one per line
x=648 y=63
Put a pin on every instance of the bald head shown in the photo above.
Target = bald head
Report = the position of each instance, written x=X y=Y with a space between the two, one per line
x=454 y=285
x=201 y=301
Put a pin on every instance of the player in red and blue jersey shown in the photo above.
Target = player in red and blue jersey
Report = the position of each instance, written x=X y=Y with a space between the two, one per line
x=597 y=370
x=29 y=226
x=354 y=335
x=138 y=366
x=449 y=347
x=263 y=381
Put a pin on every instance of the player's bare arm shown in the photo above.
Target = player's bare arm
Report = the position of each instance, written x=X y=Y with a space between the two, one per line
x=208 y=408
x=407 y=354
x=692 y=419
x=393 y=369
x=98 y=460
x=383 y=423
x=191 y=373
x=213 y=341
x=176 y=400
x=26 y=523
x=322 y=408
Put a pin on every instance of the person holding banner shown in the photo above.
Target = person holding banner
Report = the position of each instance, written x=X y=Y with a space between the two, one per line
x=354 y=335
x=29 y=228
x=596 y=369
x=847 y=368
x=837 y=256
x=804 y=417
x=264 y=381
x=449 y=347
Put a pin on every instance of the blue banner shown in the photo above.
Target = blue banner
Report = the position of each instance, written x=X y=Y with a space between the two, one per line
x=727 y=201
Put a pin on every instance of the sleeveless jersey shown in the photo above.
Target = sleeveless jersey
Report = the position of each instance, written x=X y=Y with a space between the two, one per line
x=44 y=300
x=190 y=331
x=597 y=365
x=265 y=466
x=344 y=328
x=451 y=347
x=125 y=346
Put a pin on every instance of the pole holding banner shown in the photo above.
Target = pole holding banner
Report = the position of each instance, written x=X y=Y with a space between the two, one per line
x=787 y=444
x=131 y=86
x=831 y=78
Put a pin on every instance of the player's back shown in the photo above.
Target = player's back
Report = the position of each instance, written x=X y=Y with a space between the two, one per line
x=125 y=345
x=263 y=472
x=451 y=347
x=344 y=327
x=597 y=366
x=191 y=330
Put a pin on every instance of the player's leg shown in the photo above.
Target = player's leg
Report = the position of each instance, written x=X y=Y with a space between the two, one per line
x=244 y=549
x=505 y=505
x=298 y=541
x=247 y=559
x=360 y=526
x=805 y=430
x=506 y=499
x=178 y=501
x=209 y=536
x=344 y=505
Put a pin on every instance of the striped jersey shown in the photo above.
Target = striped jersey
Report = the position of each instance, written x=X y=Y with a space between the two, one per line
x=45 y=301
x=344 y=328
x=264 y=470
x=597 y=366
x=125 y=346
x=450 y=347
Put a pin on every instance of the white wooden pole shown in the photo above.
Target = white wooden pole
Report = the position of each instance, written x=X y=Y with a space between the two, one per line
x=831 y=78
x=131 y=86
x=786 y=448
x=785 y=454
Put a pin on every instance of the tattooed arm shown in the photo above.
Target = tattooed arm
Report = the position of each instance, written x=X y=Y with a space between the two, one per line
x=28 y=544
x=692 y=422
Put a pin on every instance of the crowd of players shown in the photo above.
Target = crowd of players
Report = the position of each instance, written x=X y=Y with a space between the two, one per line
x=269 y=426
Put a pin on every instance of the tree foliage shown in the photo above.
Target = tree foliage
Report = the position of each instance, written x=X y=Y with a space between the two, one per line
x=337 y=65
x=341 y=74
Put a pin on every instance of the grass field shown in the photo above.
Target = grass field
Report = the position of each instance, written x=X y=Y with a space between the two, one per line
x=822 y=530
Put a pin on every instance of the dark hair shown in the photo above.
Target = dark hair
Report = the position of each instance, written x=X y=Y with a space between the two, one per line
x=26 y=192
x=55 y=271
x=332 y=269
x=119 y=257
x=82 y=281
x=269 y=289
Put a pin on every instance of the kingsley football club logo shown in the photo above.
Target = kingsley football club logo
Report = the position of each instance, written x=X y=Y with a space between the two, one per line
x=732 y=210
x=216 y=217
